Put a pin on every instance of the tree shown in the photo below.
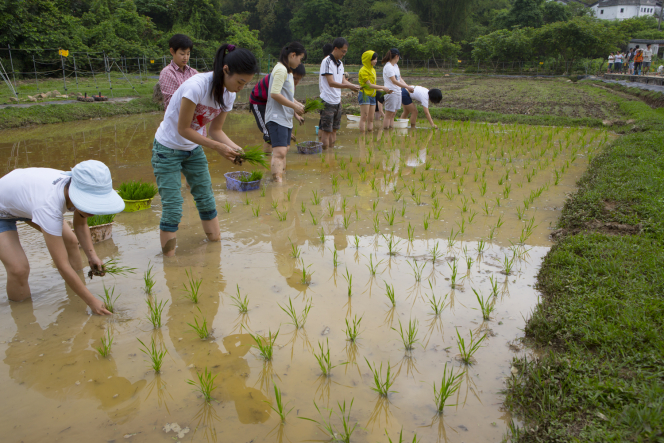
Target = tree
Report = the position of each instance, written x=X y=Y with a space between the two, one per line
x=315 y=17
x=504 y=45
x=440 y=47
x=555 y=12
x=526 y=13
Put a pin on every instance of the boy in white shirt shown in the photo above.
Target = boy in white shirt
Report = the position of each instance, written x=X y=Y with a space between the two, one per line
x=422 y=95
x=647 y=59
x=40 y=197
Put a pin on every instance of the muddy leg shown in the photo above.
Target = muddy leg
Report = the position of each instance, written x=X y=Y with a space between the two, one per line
x=16 y=264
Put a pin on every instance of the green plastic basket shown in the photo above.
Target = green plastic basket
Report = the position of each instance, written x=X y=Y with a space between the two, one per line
x=137 y=205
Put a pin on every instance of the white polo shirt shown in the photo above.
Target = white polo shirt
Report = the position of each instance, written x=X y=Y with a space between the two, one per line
x=334 y=67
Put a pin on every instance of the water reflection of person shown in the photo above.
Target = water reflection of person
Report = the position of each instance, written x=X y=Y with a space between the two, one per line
x=230 y=366
x=59 y=363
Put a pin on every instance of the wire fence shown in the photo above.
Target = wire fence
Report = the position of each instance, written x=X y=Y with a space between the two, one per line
x=27 y=73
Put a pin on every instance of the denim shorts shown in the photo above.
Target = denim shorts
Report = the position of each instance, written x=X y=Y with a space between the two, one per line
x=405 y=97
x=364 y=99
x=279 y=135
x=9 y=224
x=167 y=165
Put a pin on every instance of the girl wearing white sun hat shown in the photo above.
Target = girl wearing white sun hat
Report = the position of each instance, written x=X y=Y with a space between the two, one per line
x=40 y=197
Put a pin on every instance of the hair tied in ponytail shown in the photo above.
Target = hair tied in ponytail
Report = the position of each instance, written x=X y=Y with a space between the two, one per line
x=230 y=48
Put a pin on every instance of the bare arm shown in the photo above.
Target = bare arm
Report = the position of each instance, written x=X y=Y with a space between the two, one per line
x=82 y=232
x=219 y=140
x=426 y=112
x=401 y=84
x=56 y=247
x=345 y=84
x=283 y=101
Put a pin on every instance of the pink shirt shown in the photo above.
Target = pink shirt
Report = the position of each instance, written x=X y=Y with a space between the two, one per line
x=171 y=78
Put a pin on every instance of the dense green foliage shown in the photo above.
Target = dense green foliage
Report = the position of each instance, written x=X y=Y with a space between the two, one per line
x=137 y=190
x=491 y=29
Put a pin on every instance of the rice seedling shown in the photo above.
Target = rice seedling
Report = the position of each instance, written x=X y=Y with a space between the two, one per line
x=381 y=385
x=227 y=207
x=137 y=190
x=264 y=345
x=274 y=204
x=295 y=250
x=449 y=384
x=417 y=270
x=256 y=210
x=242 y=304
x=315 y=200
x=469 y=262
x=202 y=330
x=436 y=252
x=110 y=267
x=192 y=287
x=409 y=336
x=353 y=328
x=253 y=155
x=485 y=306
x=281 y=215
x=296 y=320
x=425 y=221
x=389 y=216
x=109 y=298
x=481 y=246
x=356 y=241
x=314 y=219
x=508 y=264
x=156 y=355
x=321 y=235
x=155 y=310
x=280 y=409
x=494 y=286
x=403 y=208
x=204 y=384
x=349 y=279
x=324 y=360
x=148 y=279
x=330 y=209
x=373 y=267
x=453 y=276
x=436 y=304
x=252 y=177
x=342 y=435
x=392 y=245
x=106 y=343
x=97 y=220
x=462 y=225
x=467 y=352
x=376 y=224
x=247 y=200
x=306 y=276
x=312 y=105
x=303 y=207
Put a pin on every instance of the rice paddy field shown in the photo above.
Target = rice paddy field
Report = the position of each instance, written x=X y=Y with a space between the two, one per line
x=382 y=288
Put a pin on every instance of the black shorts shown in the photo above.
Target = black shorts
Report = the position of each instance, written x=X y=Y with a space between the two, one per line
x=280 y=135
x=405 y=97
x=259 y=115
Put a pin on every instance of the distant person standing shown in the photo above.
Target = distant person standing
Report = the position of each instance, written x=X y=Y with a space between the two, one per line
x=617 y=64
x=638 y=60
x=630 y=61
x=177 y=71
x=647 y=59
x=611 y=61
x=331 y=82
x=392 y=80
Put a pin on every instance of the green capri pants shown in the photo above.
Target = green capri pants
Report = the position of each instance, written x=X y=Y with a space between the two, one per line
x=167 y=164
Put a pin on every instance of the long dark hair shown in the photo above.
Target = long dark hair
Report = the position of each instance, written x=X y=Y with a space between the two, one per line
x=238 y=60
x=389 y=55
x=295 y=47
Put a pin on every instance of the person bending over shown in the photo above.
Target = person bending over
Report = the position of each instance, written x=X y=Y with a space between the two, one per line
x=40 y=197
x=422 y=95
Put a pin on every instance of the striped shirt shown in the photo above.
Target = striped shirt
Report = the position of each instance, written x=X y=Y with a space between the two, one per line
x=171 y=78
x=259 y=94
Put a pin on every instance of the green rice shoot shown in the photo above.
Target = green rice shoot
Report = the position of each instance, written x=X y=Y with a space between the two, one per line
x=97 y=220
x=253 y=155
x=254 y=176
x=137 y=190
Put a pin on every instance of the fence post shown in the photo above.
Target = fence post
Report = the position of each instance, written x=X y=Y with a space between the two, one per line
x=140 y=74
x=64 y=78
x=108 y=73
x=11 y=62
x=93 y=71
x=34 y=65
x=75 y=73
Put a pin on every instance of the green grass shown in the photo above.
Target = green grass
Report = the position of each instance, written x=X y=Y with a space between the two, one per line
x=137 y=190
x=37 y=115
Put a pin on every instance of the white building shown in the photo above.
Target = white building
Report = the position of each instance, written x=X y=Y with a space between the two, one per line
x=622 y=9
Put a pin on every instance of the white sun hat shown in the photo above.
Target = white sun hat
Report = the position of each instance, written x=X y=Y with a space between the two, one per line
x=91 y=189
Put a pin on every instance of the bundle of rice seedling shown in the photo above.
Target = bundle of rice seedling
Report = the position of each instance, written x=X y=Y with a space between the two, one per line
x=254 y=176
x=97 y=220
x=137 y=190
x=253 y=155
x=313 y=105
x=110 y=267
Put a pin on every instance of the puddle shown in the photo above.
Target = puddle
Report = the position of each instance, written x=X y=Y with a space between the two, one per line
x=52 y=369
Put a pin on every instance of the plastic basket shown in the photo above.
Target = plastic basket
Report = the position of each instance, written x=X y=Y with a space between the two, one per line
x=353 y=118
x=401 y=123
x=310 y=147
x=137 y=205
x=234 y=184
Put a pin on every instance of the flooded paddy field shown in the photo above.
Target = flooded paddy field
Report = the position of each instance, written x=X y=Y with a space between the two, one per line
x=438 y=218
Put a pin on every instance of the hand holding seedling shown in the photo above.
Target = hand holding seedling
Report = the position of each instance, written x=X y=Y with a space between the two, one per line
x=229 y=152
x=98 y=307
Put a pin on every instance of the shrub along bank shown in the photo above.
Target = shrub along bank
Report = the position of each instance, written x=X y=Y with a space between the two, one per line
x=600 y=323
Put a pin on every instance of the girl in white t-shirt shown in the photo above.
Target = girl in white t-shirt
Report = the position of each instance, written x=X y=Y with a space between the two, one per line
x=393 y=81
x=611 y=60
x=422 y=95
x=40 y=197
x=179 y=141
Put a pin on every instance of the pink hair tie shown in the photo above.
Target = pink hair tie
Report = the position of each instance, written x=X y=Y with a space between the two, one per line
x=230 y=48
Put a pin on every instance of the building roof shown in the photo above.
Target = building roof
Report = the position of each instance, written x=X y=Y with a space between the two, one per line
x=606 y=3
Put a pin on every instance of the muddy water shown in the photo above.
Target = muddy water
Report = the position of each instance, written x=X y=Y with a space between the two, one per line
x=58 y=388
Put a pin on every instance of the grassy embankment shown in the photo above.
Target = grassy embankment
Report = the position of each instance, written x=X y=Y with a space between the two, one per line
x=600 y=324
